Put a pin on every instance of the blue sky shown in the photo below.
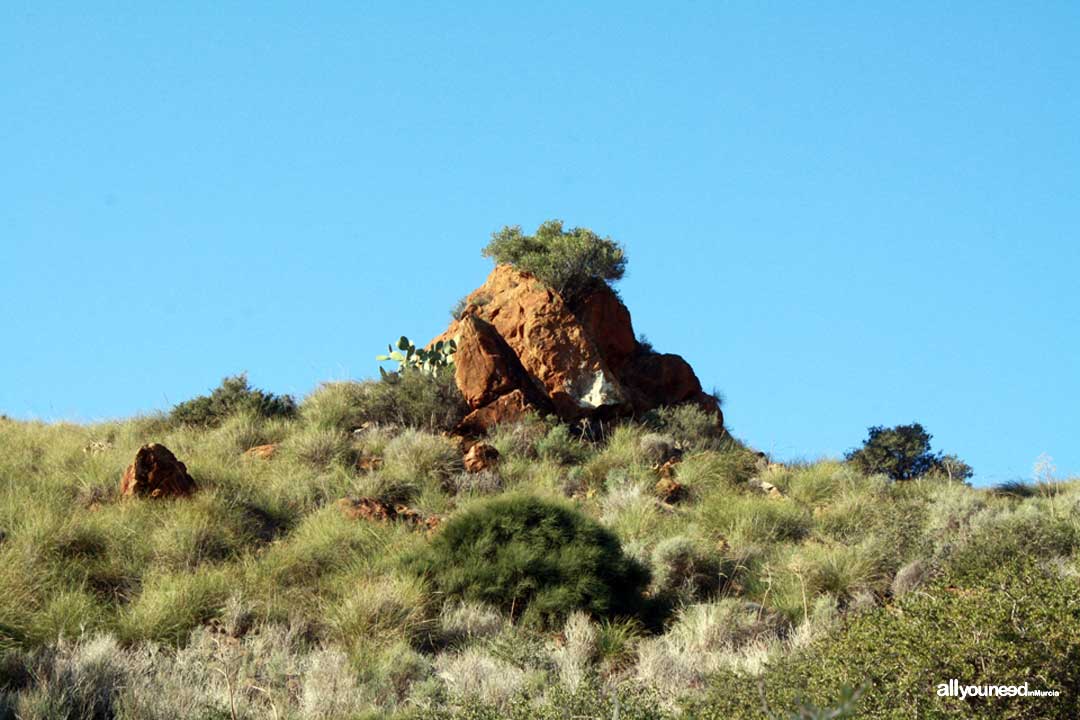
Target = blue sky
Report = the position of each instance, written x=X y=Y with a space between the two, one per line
x=843 y=214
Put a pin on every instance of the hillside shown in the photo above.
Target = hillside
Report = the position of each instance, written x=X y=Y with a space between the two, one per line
x=422 y=546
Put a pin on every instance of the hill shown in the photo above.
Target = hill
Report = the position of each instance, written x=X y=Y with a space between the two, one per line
x=597 y=549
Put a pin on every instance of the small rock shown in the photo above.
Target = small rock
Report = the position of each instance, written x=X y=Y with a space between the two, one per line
x=670 y=490
x=156 y=473
x=369 y=463
x=667 y=470
x=262 y=452
x=507 y=409
x=480 y=456
x=374 y=510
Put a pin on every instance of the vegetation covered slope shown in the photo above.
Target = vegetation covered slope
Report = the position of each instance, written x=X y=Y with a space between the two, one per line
x=767 y=585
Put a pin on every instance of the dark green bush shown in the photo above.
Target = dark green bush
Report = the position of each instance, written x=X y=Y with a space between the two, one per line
x=903 y=453
x=569 y=261
x=232 y=396
x=535 y=559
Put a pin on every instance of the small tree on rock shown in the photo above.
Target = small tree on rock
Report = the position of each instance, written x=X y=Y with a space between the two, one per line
x=569 y=261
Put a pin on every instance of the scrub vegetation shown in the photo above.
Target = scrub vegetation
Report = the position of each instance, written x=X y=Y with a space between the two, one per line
x=560 y=582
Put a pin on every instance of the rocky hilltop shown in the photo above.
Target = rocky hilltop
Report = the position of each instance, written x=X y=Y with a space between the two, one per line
x=521 y=346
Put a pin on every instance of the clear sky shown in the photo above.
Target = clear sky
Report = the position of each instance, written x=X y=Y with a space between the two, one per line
x=843 y=214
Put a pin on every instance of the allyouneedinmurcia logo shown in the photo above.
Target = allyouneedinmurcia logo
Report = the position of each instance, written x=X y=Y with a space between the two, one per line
x=954 y=688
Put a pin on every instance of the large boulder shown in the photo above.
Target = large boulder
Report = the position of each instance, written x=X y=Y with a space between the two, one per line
x=156 y=473
x=484 y=366
x=558 y=356
x=522 y=347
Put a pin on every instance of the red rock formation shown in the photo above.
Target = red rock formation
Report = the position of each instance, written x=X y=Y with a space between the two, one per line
x=156 y=473
x=507 y=409
x=521 y=347
x=551 y=345
x=484 y=366
x=607 y=321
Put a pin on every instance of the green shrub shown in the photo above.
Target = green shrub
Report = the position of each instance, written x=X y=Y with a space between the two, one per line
x=702 y=472
x=318 y=447
x=903 y=453
x=560 y=447
x=336 y=406
x=233 y=395
x=415 y=399
x=569 y=261
x=682 y=568
x=415 y=461
x=533 y=558
x=692 y=427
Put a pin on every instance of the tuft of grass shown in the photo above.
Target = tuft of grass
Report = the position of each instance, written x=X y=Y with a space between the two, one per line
x=744 y=519
x=170 y=606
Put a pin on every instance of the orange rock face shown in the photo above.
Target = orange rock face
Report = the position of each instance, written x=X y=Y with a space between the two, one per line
x=156 y=473
x=484 y=366
x=507 y=409
x=521 y=347
x=607 y=321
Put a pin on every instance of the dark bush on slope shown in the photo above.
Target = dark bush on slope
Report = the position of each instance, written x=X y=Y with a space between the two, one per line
x=535 y=559
x=232 y=396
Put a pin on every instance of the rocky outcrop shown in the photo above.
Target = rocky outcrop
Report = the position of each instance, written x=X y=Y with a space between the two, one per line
x=521 y=347
x=156 y=473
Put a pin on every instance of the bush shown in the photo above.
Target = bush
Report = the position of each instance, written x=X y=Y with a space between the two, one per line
x=318 y=447
x=568 y=261
x=415 y=399
x=692 y=427
x=535 y=559
x=559 y=447
x=903 y=453
x=413 y=462
x=682 y=568
x=335 y=406
x=233 y=395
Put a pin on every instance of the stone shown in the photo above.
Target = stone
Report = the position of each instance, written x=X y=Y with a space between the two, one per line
x=670 y=490
x=480 y=457
x=484 y=366
x=262 y=452
x=507 y=409
x=657 y=379
x=522 y=347
x=374 y=510
x=156 y=473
